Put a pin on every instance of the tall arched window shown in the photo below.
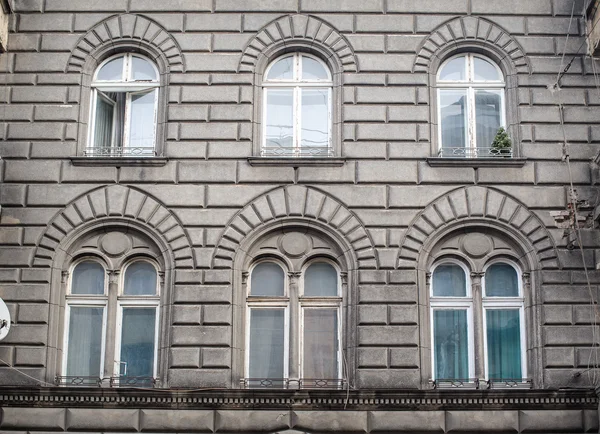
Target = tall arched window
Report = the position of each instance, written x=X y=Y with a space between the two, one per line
x=470 y=107
x=297 y=107
x=124 y=107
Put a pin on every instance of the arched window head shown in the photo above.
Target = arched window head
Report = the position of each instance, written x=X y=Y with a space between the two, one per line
x=124 y=107
x=297 y=108
x=267 y=280
x=449 y=280
x=470 y=107
x=88 y=278
x=321 y=280
x=140 y=279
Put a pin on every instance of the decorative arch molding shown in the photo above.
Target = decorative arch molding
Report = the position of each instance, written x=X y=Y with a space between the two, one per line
x=303 y=30
x=477 y=206
x=471 y=30
x=295 y=202
x=118 y=205
x=132 y=28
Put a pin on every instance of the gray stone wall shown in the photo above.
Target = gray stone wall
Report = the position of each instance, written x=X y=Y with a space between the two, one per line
x=381 y=183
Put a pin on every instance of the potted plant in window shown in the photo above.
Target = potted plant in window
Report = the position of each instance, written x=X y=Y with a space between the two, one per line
x=502 y=145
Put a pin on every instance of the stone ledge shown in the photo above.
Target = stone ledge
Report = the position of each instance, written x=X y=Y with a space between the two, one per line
x=297 y=162
x=119 y=161
x=476 y=162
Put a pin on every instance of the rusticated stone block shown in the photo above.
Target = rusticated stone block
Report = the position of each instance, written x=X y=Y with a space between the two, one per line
x=88 y=419
x=44 y=419
x=330 y=421
x=200 y=421
x=532 y=421
x=407 y=421
x=479 y=421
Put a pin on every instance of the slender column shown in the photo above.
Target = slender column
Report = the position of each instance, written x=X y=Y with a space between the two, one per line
x=478 y=325
x=111 y=366
x=294 y=327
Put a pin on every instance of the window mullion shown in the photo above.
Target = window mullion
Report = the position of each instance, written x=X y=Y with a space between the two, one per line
x=297 y=120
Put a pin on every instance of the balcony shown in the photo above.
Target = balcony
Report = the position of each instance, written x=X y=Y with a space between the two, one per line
x=462 y=152
x=287 y=383
x=118 y=152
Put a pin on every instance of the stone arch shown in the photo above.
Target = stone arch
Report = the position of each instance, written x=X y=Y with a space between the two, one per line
x=295 y=202
x=306 y=30
x=470 y=29
x=132 y=28
x=121 y=205
x=475 y=206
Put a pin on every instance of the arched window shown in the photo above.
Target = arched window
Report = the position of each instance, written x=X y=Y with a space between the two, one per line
x=470 y=107
x=124 y=107
x=297 y=107
x=293 y=330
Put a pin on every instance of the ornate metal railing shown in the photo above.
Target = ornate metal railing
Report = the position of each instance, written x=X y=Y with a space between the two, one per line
x=95 y=151
x=124 y=381
x=456 y=383
x=475 y=383
x=287 y=383
x=519 y=383
x=296 y=152
x=462 y=152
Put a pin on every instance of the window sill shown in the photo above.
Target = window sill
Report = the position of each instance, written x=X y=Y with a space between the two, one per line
x=476 y=162
x=297 y=162
x=119 y=161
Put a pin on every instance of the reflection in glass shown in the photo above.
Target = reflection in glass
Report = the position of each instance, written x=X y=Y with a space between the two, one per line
x=313 y=70
x=449 y=280
x=503 y=344
x=266 y=347
x=484 y=70
x=501 y=280
x=315 y=118
x=84 y=348
x=140 y=279
x=267 y=280
x=280 y=118
x=88 y=278
x=320 y=344
x=105 y=113
x=453 y=118
x=112 y=70
x=450 y=340
x=283 y=69
x=141 y=69
x=320 y=280
x=141 y=129
x=137 y=342
x=487 y=116
x=454 y=70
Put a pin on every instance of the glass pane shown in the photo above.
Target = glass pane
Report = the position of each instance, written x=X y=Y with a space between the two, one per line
x=451 y=347
x=453 y=118
x=488 y=104
x=141 y=127
x=267 y=279
x=485 y=71
x=320 y=280
x=454 y=70
x=313 y=69
x=112 y=70
x=137 y=342
x=449 y=280
x=141 y=69
x=267 y=337
x=315 y=122
x=320 y=344
x=84 y=353
x=88 y=278
x=501 y=280
x=280 y=121
x=103 y=126
x=140 y=279
x=283 y=69
x=503 y=344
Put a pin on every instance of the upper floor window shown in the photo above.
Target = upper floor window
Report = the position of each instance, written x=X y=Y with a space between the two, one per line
x=470 y=92
x=297 y=113
x=123 y=112
x=293 y=326
x=463 y=320
x=111 y=328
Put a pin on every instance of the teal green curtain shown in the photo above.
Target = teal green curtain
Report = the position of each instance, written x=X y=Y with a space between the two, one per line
x=501 y=280
x=451 y=347
x=503 y=344
x=449 y=280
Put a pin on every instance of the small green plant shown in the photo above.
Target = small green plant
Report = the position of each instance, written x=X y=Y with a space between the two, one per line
x=502 y=144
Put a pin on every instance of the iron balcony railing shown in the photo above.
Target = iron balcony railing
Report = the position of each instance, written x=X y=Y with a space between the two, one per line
x=110 y=152
x=287 y=383
x=462 y=152
x=122 y=381
x=296 y=152
x=476 y=383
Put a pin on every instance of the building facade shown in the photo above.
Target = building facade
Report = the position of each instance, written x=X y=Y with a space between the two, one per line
x=300 y=215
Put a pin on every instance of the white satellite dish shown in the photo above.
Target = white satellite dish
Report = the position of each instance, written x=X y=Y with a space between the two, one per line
x=4 y=320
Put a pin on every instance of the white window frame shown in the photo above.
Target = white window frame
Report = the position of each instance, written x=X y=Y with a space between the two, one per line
x=505 y=303
x=453 y=303
x=471 y=86
x=297 y=85
x=130 y=87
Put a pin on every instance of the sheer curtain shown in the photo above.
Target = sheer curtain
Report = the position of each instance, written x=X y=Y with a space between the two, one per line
x=84 y=350
x=449 y=280
x=450 y=339
x=503 y=344
x=267 y=343
x=137 y=342
x=321 y=344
